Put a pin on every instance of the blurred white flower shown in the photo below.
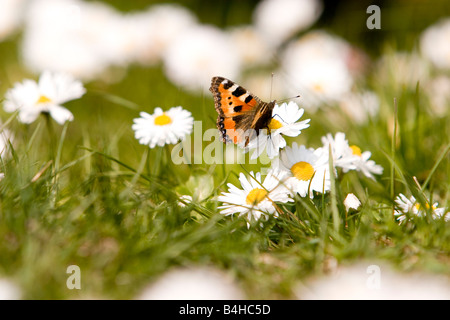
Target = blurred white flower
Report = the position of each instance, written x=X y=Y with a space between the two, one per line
x=200 y=53
x=307 y=169
x=278 y=20
x=153 y=30
x=47 y=95
x=11 y=16
x=198 y=283
x=86 y=38
x=401 y=69
x=74 y=36
x=256 y=200
x=251 y=46
x=9 y=290
x=435 y=44
x=284 y=122
x=106 y=33
x=6 y=137
x=359 y=282
x=267 y=86
x=438 y=90
x=351 y=202
x=163 y=128
x=316 y=66
x=411 y=205
x=360 y=106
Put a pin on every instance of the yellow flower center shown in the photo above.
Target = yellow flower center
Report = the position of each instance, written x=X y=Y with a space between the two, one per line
x=43 y=99
x=356 y=150
x=302 y=170
x=419 y=207
x=274 y=124
x=162 y=120
x=256 y=196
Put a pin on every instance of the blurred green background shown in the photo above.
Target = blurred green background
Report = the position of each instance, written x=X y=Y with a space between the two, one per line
x=147 y=87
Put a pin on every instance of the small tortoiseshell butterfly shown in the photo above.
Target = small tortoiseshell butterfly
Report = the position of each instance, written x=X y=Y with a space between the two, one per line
x=241 y=113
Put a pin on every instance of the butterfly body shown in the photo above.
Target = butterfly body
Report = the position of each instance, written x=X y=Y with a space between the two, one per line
x=241 y=114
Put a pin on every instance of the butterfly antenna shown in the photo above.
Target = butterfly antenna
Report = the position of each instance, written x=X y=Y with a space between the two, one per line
x=291 y=98
x=271 y=86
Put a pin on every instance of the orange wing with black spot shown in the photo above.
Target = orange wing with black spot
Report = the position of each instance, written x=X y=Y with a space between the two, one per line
x=239 y=111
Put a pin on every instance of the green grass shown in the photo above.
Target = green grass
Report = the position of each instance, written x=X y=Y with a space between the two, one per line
x=96 y=201
x=88 y=194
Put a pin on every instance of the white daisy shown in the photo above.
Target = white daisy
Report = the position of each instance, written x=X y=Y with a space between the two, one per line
x=349 y=157
x=284 y=122
x=410 y=205
x=307 y=169
x=364 y=164
x=47 y=95
x=162 y=128
x=257 y=199
x=343 y=156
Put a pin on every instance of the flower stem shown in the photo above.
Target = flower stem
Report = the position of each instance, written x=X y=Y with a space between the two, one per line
x=51 y=135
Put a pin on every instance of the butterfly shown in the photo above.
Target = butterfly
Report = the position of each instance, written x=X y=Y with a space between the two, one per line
x=241 y=114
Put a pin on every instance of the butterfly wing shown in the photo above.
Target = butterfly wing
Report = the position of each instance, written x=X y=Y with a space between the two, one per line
x=237 y=109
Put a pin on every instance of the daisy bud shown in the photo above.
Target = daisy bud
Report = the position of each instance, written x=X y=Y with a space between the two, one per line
x=351 y=202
